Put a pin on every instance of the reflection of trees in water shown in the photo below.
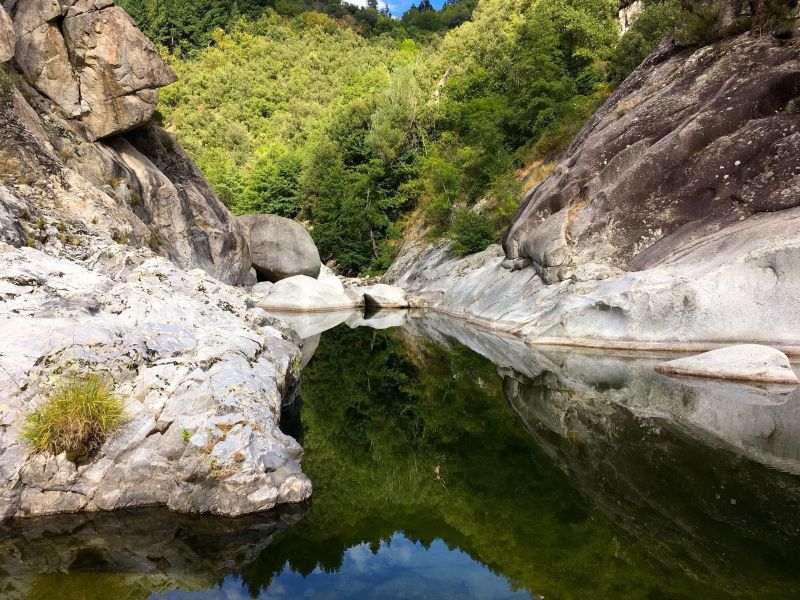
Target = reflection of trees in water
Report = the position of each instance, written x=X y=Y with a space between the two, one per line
x=501 y=498
x=402 y=434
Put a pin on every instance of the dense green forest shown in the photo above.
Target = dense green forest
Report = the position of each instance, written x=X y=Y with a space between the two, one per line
x=360 y=124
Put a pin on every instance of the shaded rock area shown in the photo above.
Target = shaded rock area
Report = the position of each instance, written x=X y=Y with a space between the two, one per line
x=747 y=362
x=693 y=141
x=280 y=247
x=201 y=375
x=134 y=552
x=671 y=222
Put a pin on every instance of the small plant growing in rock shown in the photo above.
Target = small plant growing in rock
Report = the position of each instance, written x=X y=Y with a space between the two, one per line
x=154 y=241
x=120 y=237
x=8 y=82
x=66 y=153
x=77 y=419
x=136 y=199
x=41 y=223
x=62 y=227
x=187 y=435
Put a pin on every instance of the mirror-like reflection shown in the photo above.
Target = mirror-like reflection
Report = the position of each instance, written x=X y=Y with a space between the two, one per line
x=449 y=462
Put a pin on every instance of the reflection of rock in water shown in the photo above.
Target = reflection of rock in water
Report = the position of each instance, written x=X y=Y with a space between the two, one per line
x=704 y=473
x=696 y=500
x=763 y=425
x=130 y=554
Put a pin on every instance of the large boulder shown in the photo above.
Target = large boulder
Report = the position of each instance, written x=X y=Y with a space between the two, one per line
x=8 y=38
x=382 y=295
x=89 y=58
x=201 y=374
x=302 y=293
x=117 y=67
x=280 y=247
x=745 y=362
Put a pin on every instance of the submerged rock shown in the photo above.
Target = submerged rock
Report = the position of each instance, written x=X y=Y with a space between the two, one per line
x=746 y=362
x=280 y=247
x=139 y=551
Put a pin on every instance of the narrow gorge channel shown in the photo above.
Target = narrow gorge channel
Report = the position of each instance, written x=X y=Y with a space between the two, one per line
x=452 y=463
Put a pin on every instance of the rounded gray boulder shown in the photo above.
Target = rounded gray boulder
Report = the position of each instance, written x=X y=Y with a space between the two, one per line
x=280 y=247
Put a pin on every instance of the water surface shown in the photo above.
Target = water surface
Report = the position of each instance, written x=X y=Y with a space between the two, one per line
x=439 y=473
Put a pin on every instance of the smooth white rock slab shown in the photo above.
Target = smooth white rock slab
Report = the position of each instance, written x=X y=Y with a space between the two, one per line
x=745 y=362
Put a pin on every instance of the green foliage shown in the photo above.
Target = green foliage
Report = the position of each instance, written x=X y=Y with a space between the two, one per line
x=154 y=240
x=8 y=83
x=649 y=28
x=77 y=419
x=776 y=16
x=698 y=26
x=184 y=26
x=351 y=120
x=471 y=232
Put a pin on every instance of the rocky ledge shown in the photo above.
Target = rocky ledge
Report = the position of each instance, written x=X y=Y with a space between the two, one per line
x=201 y=373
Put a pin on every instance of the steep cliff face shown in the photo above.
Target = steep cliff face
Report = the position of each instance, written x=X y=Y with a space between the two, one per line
x=692 y=142
x=78 y=134
x=671 y=220
x=91 y=192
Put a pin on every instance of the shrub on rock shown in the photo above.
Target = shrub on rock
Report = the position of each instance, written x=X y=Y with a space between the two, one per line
x=77 y=419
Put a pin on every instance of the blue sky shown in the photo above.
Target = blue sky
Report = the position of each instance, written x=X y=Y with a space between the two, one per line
x=397 y=7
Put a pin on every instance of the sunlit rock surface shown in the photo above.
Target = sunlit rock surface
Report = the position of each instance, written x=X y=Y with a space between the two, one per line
x=140 y=187
x=201 y=374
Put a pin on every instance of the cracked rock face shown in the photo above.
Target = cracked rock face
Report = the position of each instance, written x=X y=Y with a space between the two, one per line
x=89 y=58
x=141 y=188
x=202 y=378
x=693 y=141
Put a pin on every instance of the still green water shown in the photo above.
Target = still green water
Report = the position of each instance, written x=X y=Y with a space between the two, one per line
x=439 y=475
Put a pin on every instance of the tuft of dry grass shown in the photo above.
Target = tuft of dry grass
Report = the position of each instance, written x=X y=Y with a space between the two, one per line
x=77 y=419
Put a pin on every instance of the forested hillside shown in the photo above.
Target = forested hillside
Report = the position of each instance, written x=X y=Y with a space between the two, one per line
x=358 y=125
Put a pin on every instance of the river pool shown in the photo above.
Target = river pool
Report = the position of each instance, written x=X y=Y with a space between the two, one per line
x=453 y=463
